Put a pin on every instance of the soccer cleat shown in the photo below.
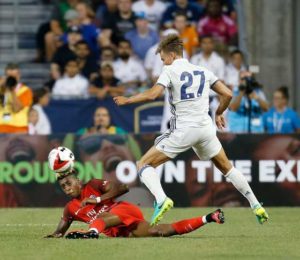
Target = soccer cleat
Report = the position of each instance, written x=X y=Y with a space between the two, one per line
x=218 y=216
x=261 y=214
x=160 y=210
x=81 y=234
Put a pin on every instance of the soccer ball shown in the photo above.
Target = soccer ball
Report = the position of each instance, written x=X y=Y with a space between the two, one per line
x=61 y=159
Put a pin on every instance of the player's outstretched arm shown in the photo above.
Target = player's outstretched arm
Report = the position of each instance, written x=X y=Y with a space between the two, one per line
x=61 y=229
x=149 y=95
x=109 y=191
x=225 y=96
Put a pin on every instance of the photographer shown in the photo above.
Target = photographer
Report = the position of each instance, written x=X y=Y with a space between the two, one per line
x=248 y=105
x=15 y=100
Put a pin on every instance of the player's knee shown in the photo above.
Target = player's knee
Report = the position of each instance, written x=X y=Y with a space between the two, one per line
x=141 y=164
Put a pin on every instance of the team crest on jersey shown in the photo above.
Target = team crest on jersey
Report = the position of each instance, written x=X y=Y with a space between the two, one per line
x=93 y=197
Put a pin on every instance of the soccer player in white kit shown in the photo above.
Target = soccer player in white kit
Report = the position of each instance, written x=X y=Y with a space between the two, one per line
x=190 y=125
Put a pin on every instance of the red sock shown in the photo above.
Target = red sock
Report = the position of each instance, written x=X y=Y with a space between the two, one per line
x=187 y=225
x=98 y=224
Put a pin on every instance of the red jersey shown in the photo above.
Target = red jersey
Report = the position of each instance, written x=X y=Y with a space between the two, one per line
x=94 y=188
x=222 y=28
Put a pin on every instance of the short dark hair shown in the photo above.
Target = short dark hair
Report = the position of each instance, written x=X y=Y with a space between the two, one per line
x=81 y=42
x=172 y=43
x=71 y=60
x=73 y=172
x=236 y=52
x=206 y=36
x=124 y=40
x=284 y=90
x=38 y=93
x=12 y=66
x=181 y=13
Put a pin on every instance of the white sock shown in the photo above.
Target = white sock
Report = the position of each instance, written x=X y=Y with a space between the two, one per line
x=204 y=219
x=151 y=179
x=240 y=183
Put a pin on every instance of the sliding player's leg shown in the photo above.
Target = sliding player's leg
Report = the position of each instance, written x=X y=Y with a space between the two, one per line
x=104 y=221
x=117 y=222
x=146 y=169
x=177 y=228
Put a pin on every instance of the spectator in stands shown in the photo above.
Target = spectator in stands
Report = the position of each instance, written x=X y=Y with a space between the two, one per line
x=116 y=26
x=83 y=18
x=90 y=33
x=209 y=59
x=228 y=8
x=193 y=12
x=15 y=101
x=87 y=63
x=38 y=119
x=128 y=69
x=107 y=54
x=247 y=106
x=233 y=69
x=280 y=118
x=218 y=25
x=141 y=38
x=65 y=53
x=106 y=84
x=53 y=30
x=72 y=83
x=153 y=9
x=104 y=12
x=33 y=118
x=102 y=124
x=187 y=33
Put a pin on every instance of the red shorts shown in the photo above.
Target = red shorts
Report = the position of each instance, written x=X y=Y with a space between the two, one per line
x=130 y=216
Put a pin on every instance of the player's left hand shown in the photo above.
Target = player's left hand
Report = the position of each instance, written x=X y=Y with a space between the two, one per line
x=88 y=201
x=220 y=121
x=253 y=95
x=55 y=235
x=120 y=100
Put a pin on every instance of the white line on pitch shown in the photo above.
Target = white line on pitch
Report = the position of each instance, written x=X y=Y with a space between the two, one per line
x=35 y=225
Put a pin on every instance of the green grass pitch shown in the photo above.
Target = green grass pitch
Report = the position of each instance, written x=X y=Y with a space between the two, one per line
x=241 y=237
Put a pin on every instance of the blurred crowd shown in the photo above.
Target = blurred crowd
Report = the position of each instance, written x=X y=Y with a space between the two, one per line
x=107 y=48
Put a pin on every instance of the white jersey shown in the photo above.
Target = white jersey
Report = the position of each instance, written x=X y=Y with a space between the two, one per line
x=189 y=86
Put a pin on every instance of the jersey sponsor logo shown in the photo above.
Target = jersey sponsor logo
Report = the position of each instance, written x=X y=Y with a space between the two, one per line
x=93 y=214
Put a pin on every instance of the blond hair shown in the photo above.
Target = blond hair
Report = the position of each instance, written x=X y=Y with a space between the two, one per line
x=172 y=43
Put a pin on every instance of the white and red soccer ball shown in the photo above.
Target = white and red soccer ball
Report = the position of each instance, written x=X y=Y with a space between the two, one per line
x=61 y=159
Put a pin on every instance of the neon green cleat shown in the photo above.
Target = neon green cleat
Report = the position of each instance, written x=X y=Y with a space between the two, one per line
x=160 y=210
x=261 y=214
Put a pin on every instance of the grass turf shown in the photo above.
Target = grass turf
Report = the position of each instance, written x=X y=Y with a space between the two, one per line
x=241 y=237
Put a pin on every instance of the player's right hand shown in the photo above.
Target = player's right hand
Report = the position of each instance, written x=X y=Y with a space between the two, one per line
x=220 y=121
x=56 y=235
x=120 y=100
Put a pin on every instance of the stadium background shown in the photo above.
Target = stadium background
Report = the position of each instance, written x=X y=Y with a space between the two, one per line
x=269 y=37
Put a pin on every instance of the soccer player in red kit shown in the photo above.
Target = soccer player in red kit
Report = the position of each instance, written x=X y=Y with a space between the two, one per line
x=94 y=204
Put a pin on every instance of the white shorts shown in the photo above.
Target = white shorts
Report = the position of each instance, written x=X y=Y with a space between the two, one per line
x=203 y=140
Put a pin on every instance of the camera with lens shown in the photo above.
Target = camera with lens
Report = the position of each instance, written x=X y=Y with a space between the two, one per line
x=249 y=85
x=10 y=83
